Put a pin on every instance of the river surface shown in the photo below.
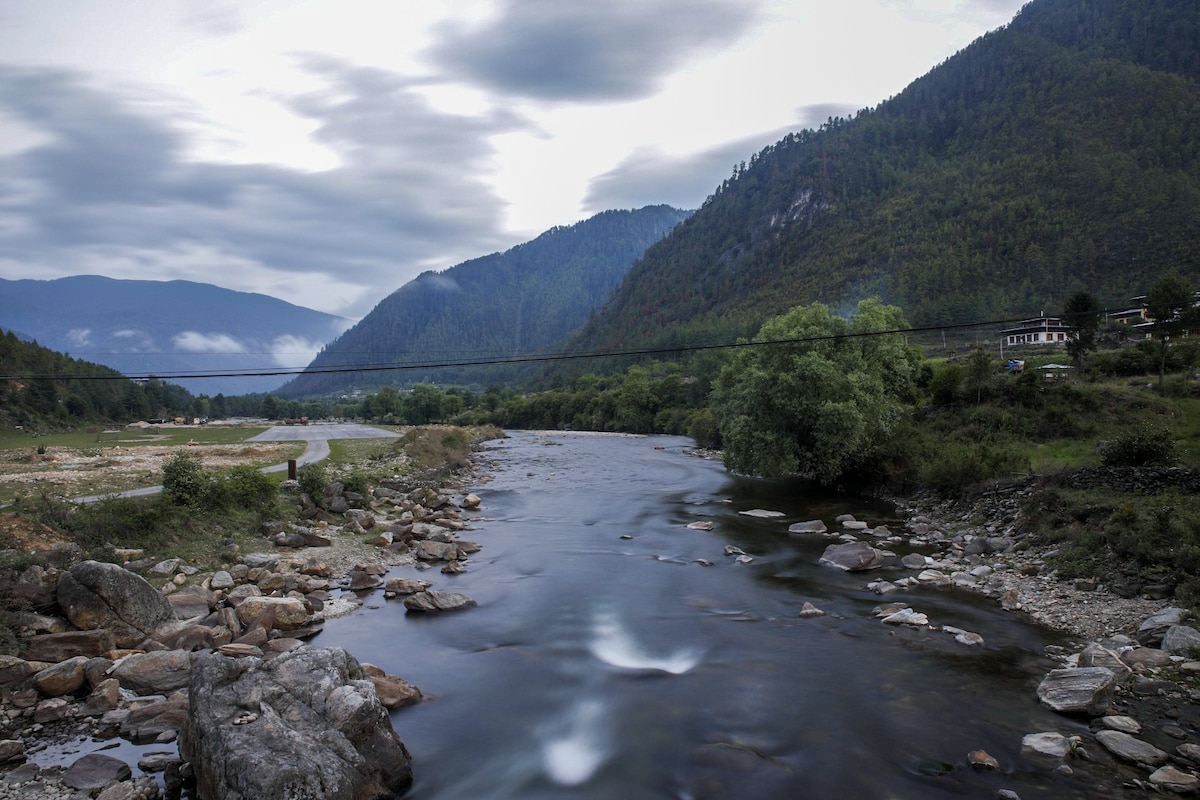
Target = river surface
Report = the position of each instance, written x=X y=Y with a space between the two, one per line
x=606 y=660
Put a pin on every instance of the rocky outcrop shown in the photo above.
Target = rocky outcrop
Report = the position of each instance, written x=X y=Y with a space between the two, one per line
x=306 y=724
x=95 y=595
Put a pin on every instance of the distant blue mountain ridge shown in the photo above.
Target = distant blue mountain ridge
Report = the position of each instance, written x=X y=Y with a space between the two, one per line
x=168 y=327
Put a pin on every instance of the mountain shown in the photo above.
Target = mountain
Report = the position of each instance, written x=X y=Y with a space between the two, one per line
x=167 y=328
x=41 y=390
x=528 y=299
x=1060 y=152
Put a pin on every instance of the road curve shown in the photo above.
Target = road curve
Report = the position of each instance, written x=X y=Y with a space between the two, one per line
x=317 y=436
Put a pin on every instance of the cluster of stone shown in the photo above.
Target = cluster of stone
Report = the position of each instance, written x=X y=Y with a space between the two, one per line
x=1085 y=685
x=108 y=655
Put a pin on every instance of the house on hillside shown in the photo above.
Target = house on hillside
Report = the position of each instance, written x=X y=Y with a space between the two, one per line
x=1039 y=331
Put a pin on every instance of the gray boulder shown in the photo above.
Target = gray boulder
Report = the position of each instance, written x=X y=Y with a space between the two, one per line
x=93 y=772
x=852 y=556
x=1180 y=639
x=1081 y=690
x=437 y=601
x=306 y=724
x=1151 y=631
x=1122 y=745
x=96 y=595
x=811 y=526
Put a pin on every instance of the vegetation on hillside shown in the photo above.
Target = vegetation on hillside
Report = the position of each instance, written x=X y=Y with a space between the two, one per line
x=1059 y=153
x=528 y=299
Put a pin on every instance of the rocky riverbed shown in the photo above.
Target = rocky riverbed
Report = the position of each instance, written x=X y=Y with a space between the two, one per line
x=1127 y=671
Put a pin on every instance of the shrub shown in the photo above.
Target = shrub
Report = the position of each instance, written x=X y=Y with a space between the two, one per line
x=184 y=481
x=1145 y=446
x=246 y=487
x=357 y=482
x=312 y=480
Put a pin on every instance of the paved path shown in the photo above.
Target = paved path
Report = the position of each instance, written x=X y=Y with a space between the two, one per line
x=317 y=436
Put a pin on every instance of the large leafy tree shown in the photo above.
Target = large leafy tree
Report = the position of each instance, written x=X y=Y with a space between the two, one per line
x=821 y=400
x=1082 y=316
x=1171 y=305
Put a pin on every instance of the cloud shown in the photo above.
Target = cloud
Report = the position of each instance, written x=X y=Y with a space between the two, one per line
x=649 y=176
x=80 y=336
x=294 y=352
x=106 y=187
x=196 y=342
x=588 y=52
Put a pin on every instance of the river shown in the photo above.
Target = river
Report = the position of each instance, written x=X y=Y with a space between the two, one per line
x=615 y=653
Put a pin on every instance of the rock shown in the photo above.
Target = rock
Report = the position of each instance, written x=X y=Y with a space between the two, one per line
x=143 y=788
x=1189 y=751
x=812 y=526
x=221 y=579
x=702 y=525
x=431 y=600
x=1146 y=656
x=95 y=595
x=154 y=673
x=1047 y=745
x=1117 y=722
x=190 y=603
x=363 y=581
x=1151 y=631
x=65 y=677
x=969 y=639
x=14 y=671
x=94 y=771
x=852 y=556
x=906 y=616
x=428 y=550
x=471 y=502
x=272 y=612
x=11 y=750
x=1179 y=639
x=1174 y=780
x=762 y=513
x=980 y=759
x=104 y=698
x=55 y=647
x=1122 y=745
x=51 y=710
x=156 y=721
x=312 y=727
x=1097 y=655
x=808 y=611
x=406 y=585
x=1079 y=690
x=914 y=561
x=393 y=692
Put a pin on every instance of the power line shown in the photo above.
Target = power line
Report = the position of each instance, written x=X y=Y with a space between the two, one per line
x=507 y=360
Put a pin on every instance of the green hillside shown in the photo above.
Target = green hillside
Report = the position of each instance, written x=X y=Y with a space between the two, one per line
x=1055 y=154
x=528 y=299
x=43 y=390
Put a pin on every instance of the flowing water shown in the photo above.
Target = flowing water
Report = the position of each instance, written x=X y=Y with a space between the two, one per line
x=606 y=659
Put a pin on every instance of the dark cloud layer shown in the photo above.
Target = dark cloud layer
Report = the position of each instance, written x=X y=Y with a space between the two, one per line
x=109 y=184
x=616 y=50
x=650 y=176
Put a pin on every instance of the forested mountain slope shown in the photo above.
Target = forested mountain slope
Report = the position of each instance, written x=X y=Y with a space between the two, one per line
x=42 y=390
x=1058 y=153
x=528 y=299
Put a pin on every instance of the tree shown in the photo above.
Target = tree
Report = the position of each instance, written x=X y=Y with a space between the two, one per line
x=980 y=370
x=1082 y=317
x=1170 y=305
x=819 y=402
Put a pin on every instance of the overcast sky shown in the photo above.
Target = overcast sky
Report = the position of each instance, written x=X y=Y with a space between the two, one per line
x=328 y=152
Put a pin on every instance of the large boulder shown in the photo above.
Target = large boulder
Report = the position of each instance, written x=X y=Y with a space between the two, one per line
x=852 y=556
x=157 y=672
x=96 y=595
x=306 y=724
x=1078 y=690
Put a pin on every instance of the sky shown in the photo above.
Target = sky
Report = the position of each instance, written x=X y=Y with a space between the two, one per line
x=327 y=152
